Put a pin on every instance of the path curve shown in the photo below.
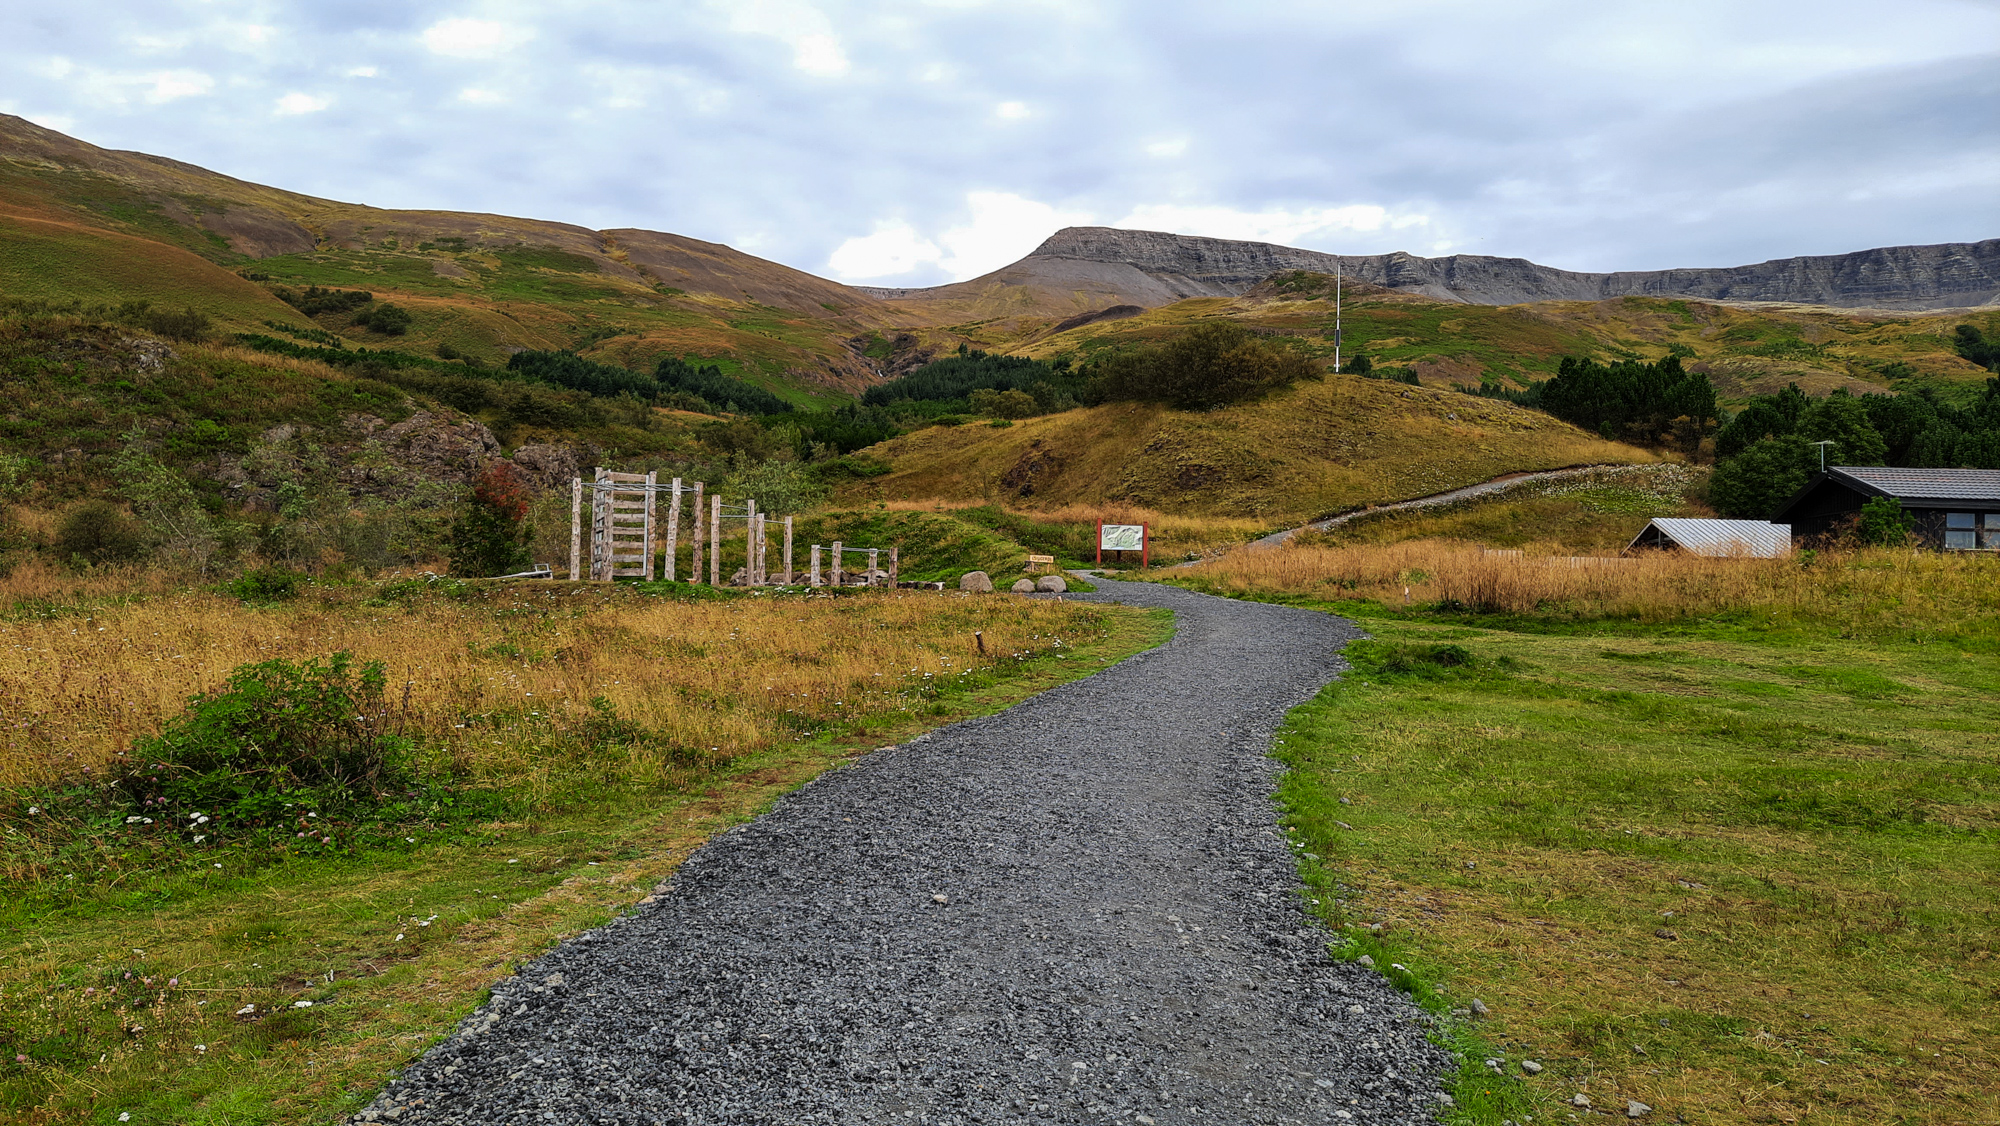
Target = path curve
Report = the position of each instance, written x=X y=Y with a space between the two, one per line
x=1499 y=484
x=1077 y=910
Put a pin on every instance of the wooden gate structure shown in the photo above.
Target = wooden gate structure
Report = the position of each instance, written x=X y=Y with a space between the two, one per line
x=838 y=576
x=625 y=536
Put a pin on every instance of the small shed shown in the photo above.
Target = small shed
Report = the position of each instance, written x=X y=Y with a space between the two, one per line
x=1954 y=509
x=1723 y=539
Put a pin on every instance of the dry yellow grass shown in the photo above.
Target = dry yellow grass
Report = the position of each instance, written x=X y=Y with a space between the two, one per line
x=1314 y=449
x=722 y=678
x=1893 y=589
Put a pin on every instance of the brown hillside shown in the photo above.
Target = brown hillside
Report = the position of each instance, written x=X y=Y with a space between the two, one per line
x=1318 y=448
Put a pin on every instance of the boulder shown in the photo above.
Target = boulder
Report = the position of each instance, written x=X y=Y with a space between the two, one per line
x=1024 y=586
x=1051 y=584
x=978 y=582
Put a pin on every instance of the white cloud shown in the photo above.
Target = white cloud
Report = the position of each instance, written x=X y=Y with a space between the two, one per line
x=816 y=50
x=1176 y=147
x=819 y=55
x=361 y=72
x=1002 y=228
x=297 y=103
x=473 y=95
x=895 y=248
x=474 y=39
x=167 y=85
x=1011 y=111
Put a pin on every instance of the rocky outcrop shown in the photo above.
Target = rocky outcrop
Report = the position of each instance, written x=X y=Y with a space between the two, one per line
x=1152 y=268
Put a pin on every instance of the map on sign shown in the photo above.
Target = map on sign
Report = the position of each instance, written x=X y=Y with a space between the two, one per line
x=1121 y=537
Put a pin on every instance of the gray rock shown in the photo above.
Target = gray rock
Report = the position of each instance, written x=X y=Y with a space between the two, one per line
x=1580 y=1100
x=1024 y=586
x=1531 y=1067
x=1051 y=584
x=1636 y=1109
x=978 y=582
x=1479 y=1007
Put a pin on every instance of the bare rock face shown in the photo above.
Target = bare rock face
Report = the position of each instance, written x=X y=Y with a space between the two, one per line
x=1153 y=267
x=1051 y=584
x=1024 y=586
x=548 y=467
x=976 y=582
x=441 y=448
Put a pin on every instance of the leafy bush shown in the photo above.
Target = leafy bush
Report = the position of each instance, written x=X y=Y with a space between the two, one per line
x=1884 y=523
x=1630 y=401
x=1413 y=660
x=189 y=324
x=317 y=734
x=1205 y=367
x=99 y=532
x=1004 y=404
x=387 y=319
x=491 y=534
x=314 y=301
x=265 y=585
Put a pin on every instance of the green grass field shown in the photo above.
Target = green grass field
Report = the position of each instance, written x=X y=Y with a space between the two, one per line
x=1736 y=874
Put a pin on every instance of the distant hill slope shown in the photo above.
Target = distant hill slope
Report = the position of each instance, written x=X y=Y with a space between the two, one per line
x=79 y=221
x=1079 y=268
x=1315 y=449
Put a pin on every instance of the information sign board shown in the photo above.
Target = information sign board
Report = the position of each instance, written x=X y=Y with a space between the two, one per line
x=1121 y=537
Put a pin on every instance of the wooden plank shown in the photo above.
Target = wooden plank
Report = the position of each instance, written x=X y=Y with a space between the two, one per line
x=788 y=551
x=715 y=540
x=814 y=579
x=836 y=563
x=673 y=529
x=575 y=528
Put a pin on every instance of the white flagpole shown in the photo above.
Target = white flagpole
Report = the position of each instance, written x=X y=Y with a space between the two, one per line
x=1336 y=313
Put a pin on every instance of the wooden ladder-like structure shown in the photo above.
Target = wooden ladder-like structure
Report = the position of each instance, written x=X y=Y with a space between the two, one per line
x=621 y=520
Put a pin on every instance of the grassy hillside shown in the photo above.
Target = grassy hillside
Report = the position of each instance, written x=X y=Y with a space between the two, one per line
x=1317 y=448
x=1744 y=351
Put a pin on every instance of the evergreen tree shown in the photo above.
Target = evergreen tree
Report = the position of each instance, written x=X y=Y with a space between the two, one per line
x=490 y=536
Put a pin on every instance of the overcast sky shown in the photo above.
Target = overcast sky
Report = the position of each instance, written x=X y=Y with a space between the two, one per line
x=901 y=143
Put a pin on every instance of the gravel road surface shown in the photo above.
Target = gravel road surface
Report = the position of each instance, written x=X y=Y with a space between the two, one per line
x=1079 y=910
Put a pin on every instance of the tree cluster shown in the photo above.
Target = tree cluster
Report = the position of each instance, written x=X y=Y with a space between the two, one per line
x=1052 y=386
x=1656 y=404
x=674 y=382
x=1768 y=451
x=1207 y=366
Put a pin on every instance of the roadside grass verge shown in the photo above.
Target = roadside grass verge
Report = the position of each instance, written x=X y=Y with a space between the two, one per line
x=1737 y=864
x=124 y=989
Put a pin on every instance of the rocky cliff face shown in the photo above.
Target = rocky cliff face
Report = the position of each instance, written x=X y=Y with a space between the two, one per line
x=1897 y=277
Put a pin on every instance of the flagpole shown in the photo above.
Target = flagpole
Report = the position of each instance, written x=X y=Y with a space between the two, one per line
x=1336 y=312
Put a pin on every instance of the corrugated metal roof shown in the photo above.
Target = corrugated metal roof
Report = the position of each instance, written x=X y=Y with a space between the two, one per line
x=1925 y=484
x=1748 y=539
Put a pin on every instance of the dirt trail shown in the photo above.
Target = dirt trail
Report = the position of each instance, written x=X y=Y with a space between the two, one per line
x=1498 y=484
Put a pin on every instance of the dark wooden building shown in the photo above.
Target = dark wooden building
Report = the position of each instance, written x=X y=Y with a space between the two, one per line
x=1955 y=509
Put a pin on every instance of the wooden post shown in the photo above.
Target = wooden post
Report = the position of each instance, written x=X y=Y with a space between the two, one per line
x=788 y=551
x=575 y=529
x=874 y=555
x=836 y=563
x=600 y=530
x=1145 y=546
x=750 y=542
x=755 y=549
x=652 y=528
x=814 y=579
x=673 y=530
x=694 y=562
x=893 y=552
x=715 y=540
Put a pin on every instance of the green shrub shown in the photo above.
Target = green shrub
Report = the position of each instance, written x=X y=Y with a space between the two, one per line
x=491 y=534
x=1884 y=523
x=316 y=734
x=265 y=585
x=99 y=532
x=1207 y=366
x=387 y=319
x=1411 y=660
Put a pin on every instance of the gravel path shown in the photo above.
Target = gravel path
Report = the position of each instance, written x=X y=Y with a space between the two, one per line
x=1483 y=488
x=1078 y=910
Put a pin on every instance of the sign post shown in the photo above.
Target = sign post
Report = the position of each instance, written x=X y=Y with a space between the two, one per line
x=1122 y=538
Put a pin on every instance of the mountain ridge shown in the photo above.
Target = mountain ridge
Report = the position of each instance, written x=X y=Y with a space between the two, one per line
x=1157 y=267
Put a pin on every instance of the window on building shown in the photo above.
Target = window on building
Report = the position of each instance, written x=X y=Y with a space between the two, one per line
x=1960 y=530
x=1991 y=538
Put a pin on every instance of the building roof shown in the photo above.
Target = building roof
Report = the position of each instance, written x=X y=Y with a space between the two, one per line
x=1920 y=484
x=1746 y=539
